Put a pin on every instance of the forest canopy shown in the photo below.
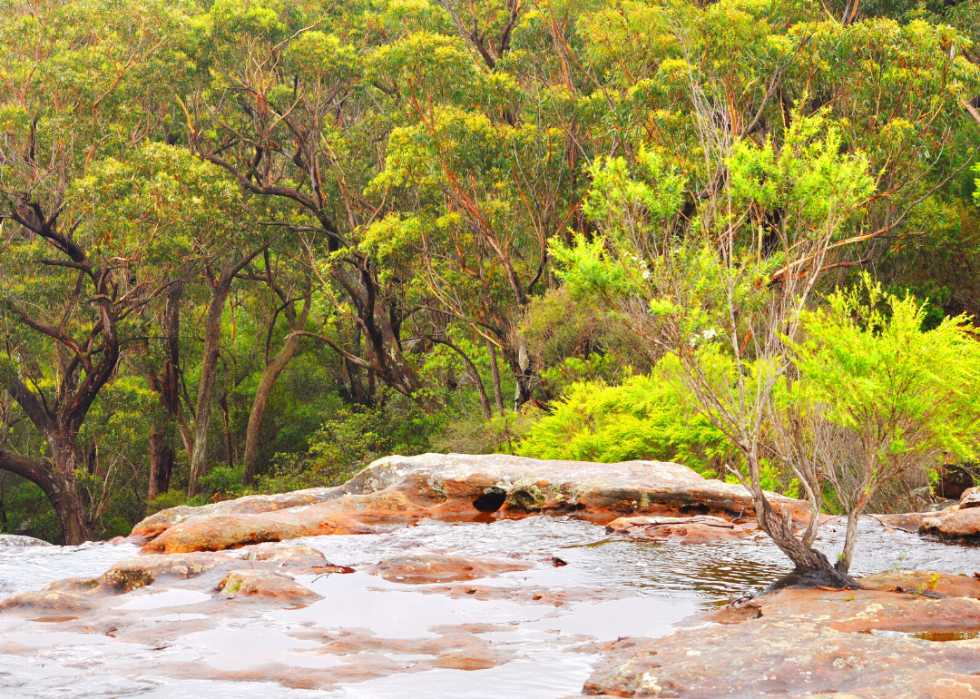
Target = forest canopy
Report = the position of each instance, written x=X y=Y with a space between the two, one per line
x=250 y=245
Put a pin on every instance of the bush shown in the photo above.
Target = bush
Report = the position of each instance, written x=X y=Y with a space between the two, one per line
x=26 y=510
x=164 y=501
x=644 y=418
x=474 y=435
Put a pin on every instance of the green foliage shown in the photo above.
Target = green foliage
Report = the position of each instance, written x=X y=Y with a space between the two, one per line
x=472 y=434
x=221 y=483
x=164 y=501
x=26 y=510
x=808 y=177
x=421 y=173
x=905 y=390
x=643 y=418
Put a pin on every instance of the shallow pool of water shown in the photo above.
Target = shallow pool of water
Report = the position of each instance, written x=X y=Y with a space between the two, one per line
x=373 y=639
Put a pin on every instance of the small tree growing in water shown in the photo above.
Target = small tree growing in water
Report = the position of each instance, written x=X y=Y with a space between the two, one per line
x=725 y=293
x=897 y=398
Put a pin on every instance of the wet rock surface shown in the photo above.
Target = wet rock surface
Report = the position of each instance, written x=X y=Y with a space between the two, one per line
x=923 y=581
x=970 y=498
x=18 y=540
x=434 y=577
x=862 y=643
x=48 y=602
x=954 y=523
x=433 y=568
x=145 y=570
x=957 y=520
x=908 y=522
x=685 y=529
x=219 y=532
x=264 y=583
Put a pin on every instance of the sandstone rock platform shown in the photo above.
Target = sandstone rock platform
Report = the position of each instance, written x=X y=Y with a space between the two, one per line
x=454 y=485
x=870 y=643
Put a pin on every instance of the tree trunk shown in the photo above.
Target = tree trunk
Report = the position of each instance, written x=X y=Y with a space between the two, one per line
x=812 y=566
x=272 y=371
x=273 y=368
x=57 y=481
x=474 y=374
x=484 y=401
x=850 y=539
x=498 y=396
x=162 y=459
x=163 y=455
x=853 y=517
x=209 y=373
x=520 y=364
x=229 y=438
x=65 y=498
x=524 y=389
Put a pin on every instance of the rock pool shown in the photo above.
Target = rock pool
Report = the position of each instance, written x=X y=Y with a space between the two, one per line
x=536 y=633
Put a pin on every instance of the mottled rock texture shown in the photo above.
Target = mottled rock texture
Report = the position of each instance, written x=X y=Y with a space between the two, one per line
x=145 y=570
x=435 y=485
x=953 y=523
x=420 y=569
x=249 y=583
x=814 y=643
x=697 y=529
x=47 y=601
x=970 y=498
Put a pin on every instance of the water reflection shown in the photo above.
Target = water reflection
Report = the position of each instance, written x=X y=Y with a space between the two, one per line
x=610 y=587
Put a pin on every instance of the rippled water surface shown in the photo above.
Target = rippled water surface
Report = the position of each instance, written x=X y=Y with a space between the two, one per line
x=32 y=567
x=613 y=586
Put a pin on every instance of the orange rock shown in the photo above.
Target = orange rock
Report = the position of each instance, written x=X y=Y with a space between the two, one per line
x=433 y=485
x=433 y=568
x=264 y=584
x=920 y=581
x=686 y=529
x=861 y=611
x=454 y=650
x=78 y=586
x=960 y=524
x=970 y=498
x=809 y=643
x=287 y=555
x=47 y=601
x=909 y=522
x=156 y=524
x=144 y=570
x=217 y=532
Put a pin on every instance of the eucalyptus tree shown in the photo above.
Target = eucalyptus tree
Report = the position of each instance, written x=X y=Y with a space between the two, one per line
x=290 y=290
x=696 y=80
x=288 y=113
x=82 y=80
x=178 y=222
x=483 y=168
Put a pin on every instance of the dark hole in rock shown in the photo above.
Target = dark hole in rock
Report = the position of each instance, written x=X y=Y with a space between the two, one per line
x=700 y=509
x=491 y=501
